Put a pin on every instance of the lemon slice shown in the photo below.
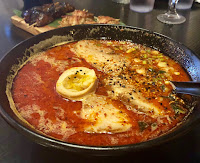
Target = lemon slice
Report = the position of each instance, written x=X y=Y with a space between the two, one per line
x=76 y=82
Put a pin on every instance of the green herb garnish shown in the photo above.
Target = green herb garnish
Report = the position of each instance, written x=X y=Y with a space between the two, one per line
x=142 y=125
x=121 y=23
x=98 y=44
x=55 y=23
x=177 y=109
x=18 y=13
x=162 y=87
x=161 y=72
x=145 y=56
x=148 y=51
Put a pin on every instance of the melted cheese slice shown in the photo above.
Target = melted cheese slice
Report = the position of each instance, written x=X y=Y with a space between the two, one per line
x=131 y=98
x=100 y=57
x=105 y=117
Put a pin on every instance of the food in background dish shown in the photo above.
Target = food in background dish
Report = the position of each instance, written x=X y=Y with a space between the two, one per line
x=47 y=13
x=39 y=16
x=131 y=102
x=107 y=20
x=44 y=18
x=77 y=17
x=84 y=17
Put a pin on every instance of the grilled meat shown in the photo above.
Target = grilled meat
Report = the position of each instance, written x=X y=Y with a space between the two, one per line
x=43 y=15
x=107 y=20
x=84 y=17
x=77 y=17
x=83 y=13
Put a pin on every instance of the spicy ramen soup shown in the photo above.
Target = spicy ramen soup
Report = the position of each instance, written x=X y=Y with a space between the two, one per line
x=100 y=92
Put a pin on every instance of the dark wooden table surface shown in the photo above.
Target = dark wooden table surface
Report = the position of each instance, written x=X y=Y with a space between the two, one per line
x=14 y=147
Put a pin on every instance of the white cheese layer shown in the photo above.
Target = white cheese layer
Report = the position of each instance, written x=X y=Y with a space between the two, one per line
x=100 y=57
x=105 y=117
x=125 y=92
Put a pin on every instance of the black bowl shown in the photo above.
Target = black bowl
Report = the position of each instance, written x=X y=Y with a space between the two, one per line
x=175 y=50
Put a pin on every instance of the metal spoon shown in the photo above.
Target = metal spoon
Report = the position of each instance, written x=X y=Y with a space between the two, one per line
x=192 y=88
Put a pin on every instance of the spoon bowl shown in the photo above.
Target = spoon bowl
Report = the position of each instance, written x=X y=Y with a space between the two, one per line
x=191 y=88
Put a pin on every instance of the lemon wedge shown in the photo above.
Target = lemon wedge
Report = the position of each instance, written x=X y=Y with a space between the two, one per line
x=76 y=82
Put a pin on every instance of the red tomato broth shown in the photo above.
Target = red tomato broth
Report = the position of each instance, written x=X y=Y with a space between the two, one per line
x=34 y=88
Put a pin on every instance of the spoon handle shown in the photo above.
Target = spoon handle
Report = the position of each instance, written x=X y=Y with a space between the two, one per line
x=192 y=88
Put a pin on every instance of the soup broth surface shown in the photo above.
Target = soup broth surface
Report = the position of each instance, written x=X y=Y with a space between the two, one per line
x=132 y=102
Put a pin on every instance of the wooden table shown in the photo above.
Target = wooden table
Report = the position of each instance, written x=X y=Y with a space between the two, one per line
x=14 y=147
